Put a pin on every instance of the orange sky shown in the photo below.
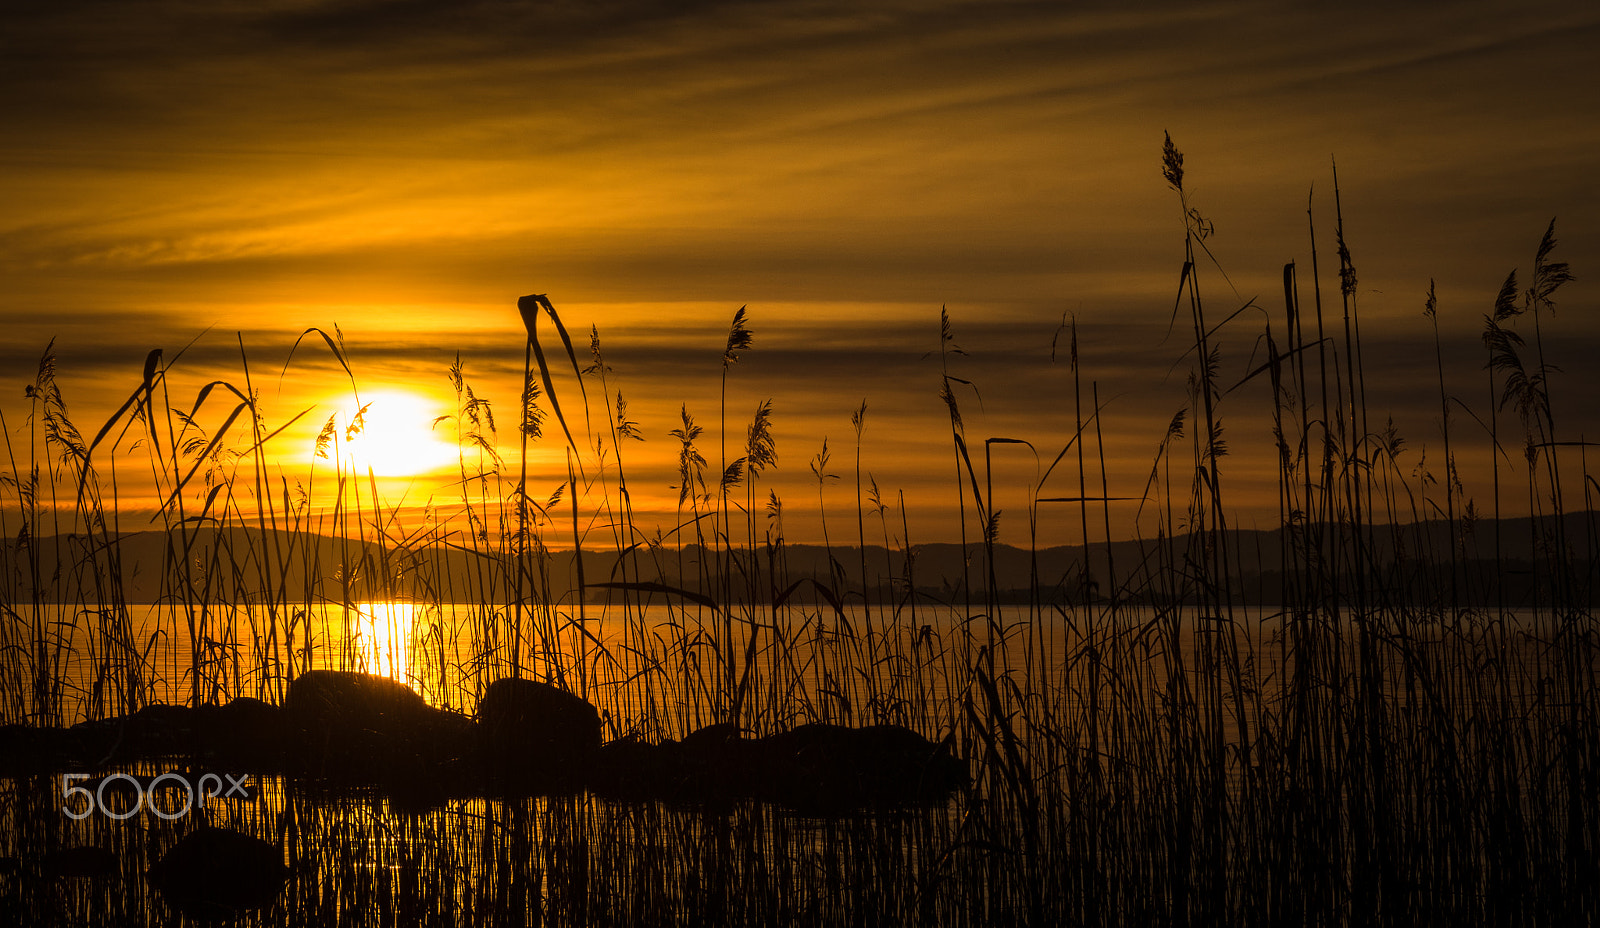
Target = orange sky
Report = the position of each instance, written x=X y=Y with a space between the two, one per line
x=407 y=169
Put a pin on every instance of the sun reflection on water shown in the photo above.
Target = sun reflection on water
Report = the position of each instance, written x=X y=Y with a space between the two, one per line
x=383 y=635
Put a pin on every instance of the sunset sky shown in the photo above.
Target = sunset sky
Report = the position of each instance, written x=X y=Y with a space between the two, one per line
x=406 y=170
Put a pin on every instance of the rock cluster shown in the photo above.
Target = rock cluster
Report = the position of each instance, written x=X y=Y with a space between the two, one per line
x=212 y=873
x=819 y=769
x=347 y=729
x=342 y=728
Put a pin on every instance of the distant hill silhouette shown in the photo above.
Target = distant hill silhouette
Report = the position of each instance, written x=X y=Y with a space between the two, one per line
x=1407 y=563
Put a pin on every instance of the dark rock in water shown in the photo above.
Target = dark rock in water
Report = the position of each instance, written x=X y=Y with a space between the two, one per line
x=715 y=763
x=28 y=749
x=818 y=769
x=214 y=873
x=537 y=736
x=344 y=702
x=828 y=769
x=157 y=730
x=354 y=726
x=629 y=768
x=79 y=863
x=713 y=742
x=245 y=733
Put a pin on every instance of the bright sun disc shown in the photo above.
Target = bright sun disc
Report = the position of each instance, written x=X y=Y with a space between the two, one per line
x=395 y=438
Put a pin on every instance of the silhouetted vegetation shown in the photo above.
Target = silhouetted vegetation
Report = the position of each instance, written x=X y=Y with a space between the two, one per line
x=1380 y=711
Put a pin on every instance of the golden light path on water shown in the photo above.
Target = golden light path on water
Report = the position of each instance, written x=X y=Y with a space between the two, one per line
x=382 y=635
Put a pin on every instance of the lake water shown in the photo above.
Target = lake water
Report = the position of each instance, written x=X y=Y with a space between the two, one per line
x=663 y=671
x=1156 y=766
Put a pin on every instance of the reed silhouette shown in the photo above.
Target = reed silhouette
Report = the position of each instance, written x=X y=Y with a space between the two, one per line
x=1394 y=726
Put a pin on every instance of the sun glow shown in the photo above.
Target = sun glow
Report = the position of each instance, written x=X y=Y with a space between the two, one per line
x=392 y=433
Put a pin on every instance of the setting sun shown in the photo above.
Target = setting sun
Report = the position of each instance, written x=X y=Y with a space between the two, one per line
x=391 y=432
